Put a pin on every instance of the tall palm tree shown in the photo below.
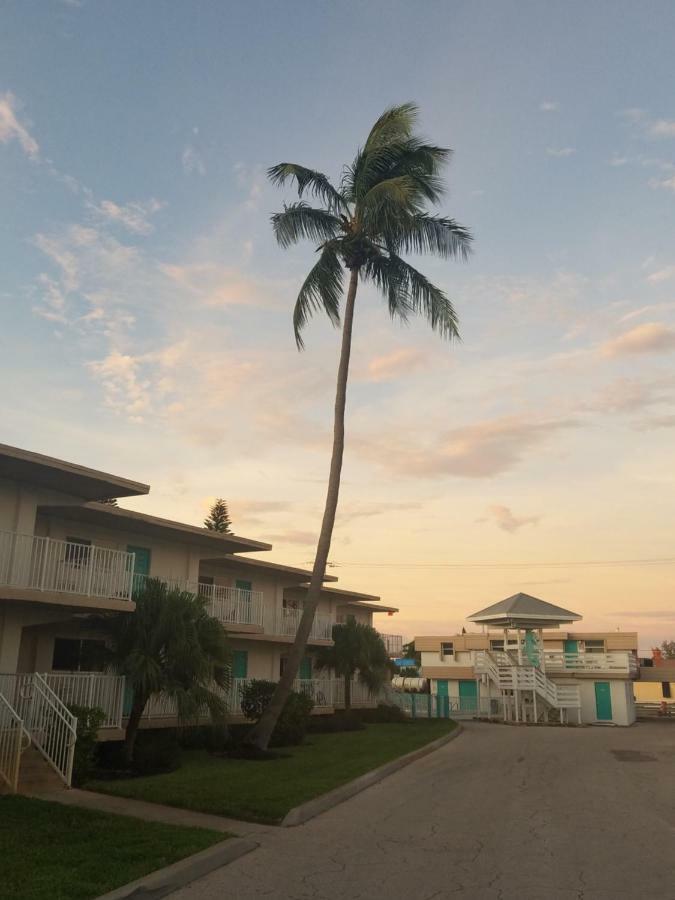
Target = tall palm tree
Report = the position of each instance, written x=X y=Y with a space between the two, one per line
x=169 y=645
x=362 y=227
x=357 y=650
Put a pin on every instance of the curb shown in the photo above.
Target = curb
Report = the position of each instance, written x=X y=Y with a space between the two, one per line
x=169 y=879
x=306 y=811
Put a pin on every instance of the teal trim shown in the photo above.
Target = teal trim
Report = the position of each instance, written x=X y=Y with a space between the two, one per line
x=532 y=648
x=242 y=585
x=441 y=687
x=603 y=701
x=571 y=647
x=240 y=664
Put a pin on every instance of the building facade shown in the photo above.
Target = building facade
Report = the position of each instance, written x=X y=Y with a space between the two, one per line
x=66 y=553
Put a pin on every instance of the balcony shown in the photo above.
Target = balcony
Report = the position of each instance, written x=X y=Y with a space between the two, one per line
x=231 y=606
x=618 y=662
x=393 y=643
x=284 y=621
x=30 y=562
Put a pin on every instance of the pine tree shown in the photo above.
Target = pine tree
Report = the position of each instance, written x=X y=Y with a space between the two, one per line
x=219 y=518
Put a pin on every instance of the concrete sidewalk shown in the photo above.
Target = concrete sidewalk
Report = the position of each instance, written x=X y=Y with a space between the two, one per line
x=152 y=812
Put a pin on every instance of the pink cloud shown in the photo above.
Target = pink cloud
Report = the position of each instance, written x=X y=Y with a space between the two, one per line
x=504 y=518
x=652 y=337
x=398 y=362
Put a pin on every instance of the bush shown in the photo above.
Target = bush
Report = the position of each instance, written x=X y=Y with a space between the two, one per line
x=213 y=738
x=156 y=751
x=383 y=713
x=339 y=721
x=293 y=721
x=89 y=720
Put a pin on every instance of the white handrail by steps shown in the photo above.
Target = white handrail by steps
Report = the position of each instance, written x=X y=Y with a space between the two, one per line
x=51 y=726
x=14 y=739
x=508 y=675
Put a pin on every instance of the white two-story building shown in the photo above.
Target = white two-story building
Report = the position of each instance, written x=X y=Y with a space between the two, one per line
x=65 y=553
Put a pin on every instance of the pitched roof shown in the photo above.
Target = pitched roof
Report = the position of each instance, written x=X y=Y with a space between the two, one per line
x=524 y=608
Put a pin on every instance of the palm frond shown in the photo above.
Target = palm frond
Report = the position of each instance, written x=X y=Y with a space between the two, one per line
x=322 y=290
x=298 y=220
x=315 y=183
x=409 y=291
x=411 y=157
x=422 y=233
x=395 y=123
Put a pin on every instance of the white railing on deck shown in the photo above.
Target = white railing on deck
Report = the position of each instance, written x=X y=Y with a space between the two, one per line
x=94 y=689
x=284 y=622
x=617 y=661
x=13 y=741
x=433 y=706
x=40 y=563
x=393 y=643
x=508 y=675
x=52 y=727
x=227 y=604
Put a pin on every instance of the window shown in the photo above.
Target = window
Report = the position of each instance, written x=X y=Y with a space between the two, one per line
x=76 y=655
x=447 y=649
x=497 y=645
x=665 y=689
x=594 y=646
x=77 y=551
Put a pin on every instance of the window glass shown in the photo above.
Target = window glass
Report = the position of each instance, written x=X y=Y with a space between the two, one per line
x=77 y=655
x=447 y=649
x=594 y=646
x=665 y=688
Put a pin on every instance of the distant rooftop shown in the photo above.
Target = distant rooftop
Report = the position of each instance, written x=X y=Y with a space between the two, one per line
x=524 y=611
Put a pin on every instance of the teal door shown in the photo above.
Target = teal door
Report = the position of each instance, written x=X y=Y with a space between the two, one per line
x=442 y=699
x=305 y=670
x=603 y=701
x=141 y=565
x=531 y=648
x=571 y=647
x=468 y=696
x=240 y=663
x=244 y=586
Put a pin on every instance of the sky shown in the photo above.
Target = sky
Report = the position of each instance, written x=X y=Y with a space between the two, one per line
x=145 y=309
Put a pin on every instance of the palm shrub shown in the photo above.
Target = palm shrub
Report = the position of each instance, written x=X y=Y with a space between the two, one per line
x=168 y=645
x=292 y=724
x=357 y=650
x=89 y=720
x=362 y=229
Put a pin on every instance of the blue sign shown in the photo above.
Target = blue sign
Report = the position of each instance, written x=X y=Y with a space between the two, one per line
x=406 y=663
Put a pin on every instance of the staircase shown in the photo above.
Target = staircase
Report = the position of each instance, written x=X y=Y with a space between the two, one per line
x=527 y=691
x=37 y=736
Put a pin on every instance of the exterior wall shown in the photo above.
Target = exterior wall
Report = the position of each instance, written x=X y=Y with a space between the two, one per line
x=623 y=705
x=553 y=640
x=652 y=691
x=19 y=502
x=14 y=618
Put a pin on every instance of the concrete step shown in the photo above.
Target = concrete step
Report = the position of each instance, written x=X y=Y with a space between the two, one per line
x=36 y=775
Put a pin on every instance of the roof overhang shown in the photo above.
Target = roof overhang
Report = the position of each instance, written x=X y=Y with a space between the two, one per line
x=375 y=607
x=339 y=592
x=129 y=520
x=513 y=620
x=66 y=477
x=301 y=574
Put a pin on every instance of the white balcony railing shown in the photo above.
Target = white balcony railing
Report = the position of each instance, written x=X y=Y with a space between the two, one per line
x=393 y=643
x=227 y=604
x=617 y=661
x=100 y=689
x=40 y=563
x=284 y=621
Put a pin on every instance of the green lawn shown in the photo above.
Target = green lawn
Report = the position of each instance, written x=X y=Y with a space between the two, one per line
x=266 y=791
x=54 y=852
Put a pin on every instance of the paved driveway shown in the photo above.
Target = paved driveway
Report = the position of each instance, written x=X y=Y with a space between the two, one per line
x=501 y=813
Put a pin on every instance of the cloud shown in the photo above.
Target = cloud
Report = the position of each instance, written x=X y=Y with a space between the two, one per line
x=662 y=128
x=398 y=362
x=349 y=512
x=666 y=184
x=668 y=614
x=252 y=179
x=123 y=390
x=549 y=106
x=504 y=518
x=619 y=161
x=627 y=395
x=561 y=151
x=192 y=161
x=11 y=129
x=652 y=337
x=134 y=216
x=664 y=274
x=481 y=450
x=647 y=310
x=216 y=285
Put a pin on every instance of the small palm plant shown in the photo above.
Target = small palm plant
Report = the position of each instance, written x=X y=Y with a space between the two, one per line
x=359 y=651
x=168 y=645
x=361 y=229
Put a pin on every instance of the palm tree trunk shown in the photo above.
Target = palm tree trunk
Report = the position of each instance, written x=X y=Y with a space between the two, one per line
x=260 y=734
x=348 y=692
x=132 y=728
